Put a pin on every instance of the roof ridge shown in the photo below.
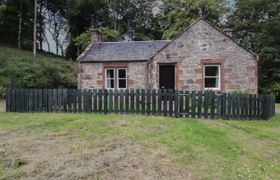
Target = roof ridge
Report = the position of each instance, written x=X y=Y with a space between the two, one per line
x=213 y=26
x=137 y=41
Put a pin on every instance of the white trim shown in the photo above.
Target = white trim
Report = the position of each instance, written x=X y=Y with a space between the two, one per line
x=121 y=78
x=106 y=78
x=219 y=76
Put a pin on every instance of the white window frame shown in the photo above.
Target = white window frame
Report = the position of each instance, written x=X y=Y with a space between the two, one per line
x=106 y=78
x=117 y=78
x=219 y=76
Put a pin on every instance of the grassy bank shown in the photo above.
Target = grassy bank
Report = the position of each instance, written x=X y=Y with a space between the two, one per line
x=44 y=71
x=115 y=146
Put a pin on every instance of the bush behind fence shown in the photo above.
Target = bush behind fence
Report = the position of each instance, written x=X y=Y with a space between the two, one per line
x=213 y=105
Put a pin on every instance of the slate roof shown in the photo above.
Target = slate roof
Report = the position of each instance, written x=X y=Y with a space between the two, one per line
x=122 y=51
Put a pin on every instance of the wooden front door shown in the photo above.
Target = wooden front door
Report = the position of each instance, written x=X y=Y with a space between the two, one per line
x=166 y=77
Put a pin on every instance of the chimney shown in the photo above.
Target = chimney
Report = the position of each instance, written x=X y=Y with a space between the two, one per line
x=228 y=32
x=96 y=36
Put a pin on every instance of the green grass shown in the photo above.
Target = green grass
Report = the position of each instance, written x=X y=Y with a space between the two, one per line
x=209 y=149
x=44 y=71
x=277 y=108
x=2 y=105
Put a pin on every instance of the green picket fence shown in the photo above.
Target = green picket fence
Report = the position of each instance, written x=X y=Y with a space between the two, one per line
x=212 y=105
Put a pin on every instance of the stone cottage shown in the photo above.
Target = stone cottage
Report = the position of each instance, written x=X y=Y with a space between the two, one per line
x=200 y=58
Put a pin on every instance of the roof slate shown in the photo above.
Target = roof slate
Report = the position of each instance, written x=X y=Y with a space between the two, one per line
x=122 y=51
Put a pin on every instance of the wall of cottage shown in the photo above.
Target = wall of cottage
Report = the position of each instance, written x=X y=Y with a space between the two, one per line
x=91 y=75
x=203 y=44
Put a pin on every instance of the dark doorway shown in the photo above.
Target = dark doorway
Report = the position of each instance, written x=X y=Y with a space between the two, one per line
x=166 y=77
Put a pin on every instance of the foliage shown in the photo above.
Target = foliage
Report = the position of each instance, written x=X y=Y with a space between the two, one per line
x=28 y=72
x=178 y=14
x=274 y=89
x=9 y=13
x=108 y=35
x=256 y=23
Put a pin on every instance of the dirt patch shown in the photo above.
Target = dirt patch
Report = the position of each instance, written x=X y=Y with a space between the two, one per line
x=64 y=156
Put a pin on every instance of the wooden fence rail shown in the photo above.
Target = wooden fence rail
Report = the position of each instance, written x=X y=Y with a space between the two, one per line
x=213 y=105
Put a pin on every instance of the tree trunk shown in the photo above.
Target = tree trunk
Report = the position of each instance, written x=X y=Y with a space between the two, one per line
x=47 y=41
x=19 y=25
x=56 y=38
x=35 y=29
x=62 y=51
x=41 y=27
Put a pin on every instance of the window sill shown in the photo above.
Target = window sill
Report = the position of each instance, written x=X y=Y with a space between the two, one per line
x=212 y=89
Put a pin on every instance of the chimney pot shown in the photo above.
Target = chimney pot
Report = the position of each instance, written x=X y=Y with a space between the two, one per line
x=228 y=32
x=96 y=36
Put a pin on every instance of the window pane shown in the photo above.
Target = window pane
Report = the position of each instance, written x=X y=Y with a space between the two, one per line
x=110 y=83
x=211 y=83
x=122 y=83
x=122 y=73
x=110 y=73
x=212 y=71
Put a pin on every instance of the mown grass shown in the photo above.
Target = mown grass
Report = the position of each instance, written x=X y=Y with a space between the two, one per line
x=209 y=149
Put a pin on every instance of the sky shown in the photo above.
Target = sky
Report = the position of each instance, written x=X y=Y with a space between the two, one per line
x=231 y=2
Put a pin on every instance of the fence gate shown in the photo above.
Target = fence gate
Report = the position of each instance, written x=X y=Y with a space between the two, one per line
x=199 y=104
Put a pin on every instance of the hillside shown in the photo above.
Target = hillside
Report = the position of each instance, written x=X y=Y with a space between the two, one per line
x=44 y=71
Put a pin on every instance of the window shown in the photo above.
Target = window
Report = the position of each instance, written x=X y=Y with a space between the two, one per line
x=110 y=79
x=212 y=77
x=118 y=80
x=122 y=79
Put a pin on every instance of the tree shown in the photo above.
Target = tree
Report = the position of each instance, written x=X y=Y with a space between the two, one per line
x=35 y=29
x=137 y=19
x=177 y=14
x=16 y=30
x=19 y=24
x=83 y=40
x=256 y=24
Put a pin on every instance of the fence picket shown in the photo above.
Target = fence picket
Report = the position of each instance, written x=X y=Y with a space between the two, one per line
x=199 y=104
x=159 y=102
x=105 y=101
x=116 y=101
x=127 y=101
x=165 y=96
x=148 y=102
x=142 y=101
x=132 y=95
x=163 y=102
x=206 y=102
x=213 y=97
x=154 y=104
x=193 y=104
x=170 y=99
x=137 y=101
x=110 y=101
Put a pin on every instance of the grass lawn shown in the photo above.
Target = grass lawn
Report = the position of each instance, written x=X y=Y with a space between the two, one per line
x=93 y=146
x=277 y=108
x=2 y=105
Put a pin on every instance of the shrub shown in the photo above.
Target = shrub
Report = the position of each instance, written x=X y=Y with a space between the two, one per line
x=19 y=69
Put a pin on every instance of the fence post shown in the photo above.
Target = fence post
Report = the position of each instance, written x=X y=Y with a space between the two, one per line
x=176 y=104
x=193 y=104
x=199 y=105
x=127 y=101
x=105 y=101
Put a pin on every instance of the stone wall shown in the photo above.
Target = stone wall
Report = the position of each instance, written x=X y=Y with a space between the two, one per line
x=203 y=44
x=91 y=75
